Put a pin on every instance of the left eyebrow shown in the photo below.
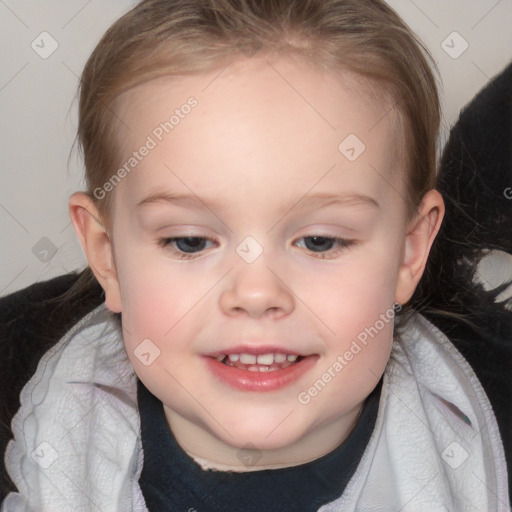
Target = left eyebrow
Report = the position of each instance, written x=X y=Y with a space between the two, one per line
x=320 y=200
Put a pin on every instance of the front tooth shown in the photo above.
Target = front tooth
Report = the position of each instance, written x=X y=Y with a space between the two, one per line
x=279 y=358
x=265 y=359
x=234 y=357
x=291 y=357
x=247 y=358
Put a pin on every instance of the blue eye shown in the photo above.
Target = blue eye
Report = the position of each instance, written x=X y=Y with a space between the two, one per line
x=186 y=246
x=322 y=245
x=189 y=247
x=319 y=243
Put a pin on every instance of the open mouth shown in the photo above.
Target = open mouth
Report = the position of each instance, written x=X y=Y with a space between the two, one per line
x=260 y=363
x=268 y=371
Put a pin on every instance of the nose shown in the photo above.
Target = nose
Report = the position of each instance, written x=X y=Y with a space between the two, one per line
x=256 y=291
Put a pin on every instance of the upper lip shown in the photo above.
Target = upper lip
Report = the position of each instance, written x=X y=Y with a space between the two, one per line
x=255 y=350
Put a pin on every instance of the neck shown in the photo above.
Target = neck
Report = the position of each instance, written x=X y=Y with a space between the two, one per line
x=210 y=452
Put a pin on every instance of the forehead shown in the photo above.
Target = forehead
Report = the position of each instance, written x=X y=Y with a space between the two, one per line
x=259 y=123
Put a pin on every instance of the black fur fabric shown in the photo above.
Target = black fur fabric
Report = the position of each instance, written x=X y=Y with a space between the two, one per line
x=476 y=183
x=476 y=169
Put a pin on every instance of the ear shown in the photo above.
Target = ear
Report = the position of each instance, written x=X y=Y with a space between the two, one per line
x=421 y=232
x=97 y=246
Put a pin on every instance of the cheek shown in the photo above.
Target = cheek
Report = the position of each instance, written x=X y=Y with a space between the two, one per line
x=155 y=301
x=356 y=292
x=354 y=303
x=155 y=292
x=158 y=303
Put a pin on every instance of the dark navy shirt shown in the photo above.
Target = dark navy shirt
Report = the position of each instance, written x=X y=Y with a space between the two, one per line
x=172 y=481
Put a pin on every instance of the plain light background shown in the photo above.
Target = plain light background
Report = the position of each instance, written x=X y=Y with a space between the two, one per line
x=38 y=108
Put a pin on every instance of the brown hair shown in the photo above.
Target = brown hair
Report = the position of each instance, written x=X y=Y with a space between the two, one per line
x=179 y=37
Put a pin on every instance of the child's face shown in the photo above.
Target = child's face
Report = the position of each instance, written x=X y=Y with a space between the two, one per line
x=260 y=145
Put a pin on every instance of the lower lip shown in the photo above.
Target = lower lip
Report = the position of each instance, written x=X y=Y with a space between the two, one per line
x=260 y=381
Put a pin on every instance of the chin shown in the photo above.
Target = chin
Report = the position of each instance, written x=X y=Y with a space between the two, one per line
x=262 y=436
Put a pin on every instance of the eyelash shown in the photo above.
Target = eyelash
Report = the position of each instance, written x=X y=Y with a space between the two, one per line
x=343 y=244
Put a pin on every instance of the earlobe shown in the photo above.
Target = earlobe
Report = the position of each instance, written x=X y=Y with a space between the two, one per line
x=421 y=232
x=97 y=246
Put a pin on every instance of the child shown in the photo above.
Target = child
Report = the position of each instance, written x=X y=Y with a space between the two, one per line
x=260 y=203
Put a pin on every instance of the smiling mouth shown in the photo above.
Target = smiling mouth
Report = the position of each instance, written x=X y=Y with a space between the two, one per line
x=265 y=370
x=260 y=363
